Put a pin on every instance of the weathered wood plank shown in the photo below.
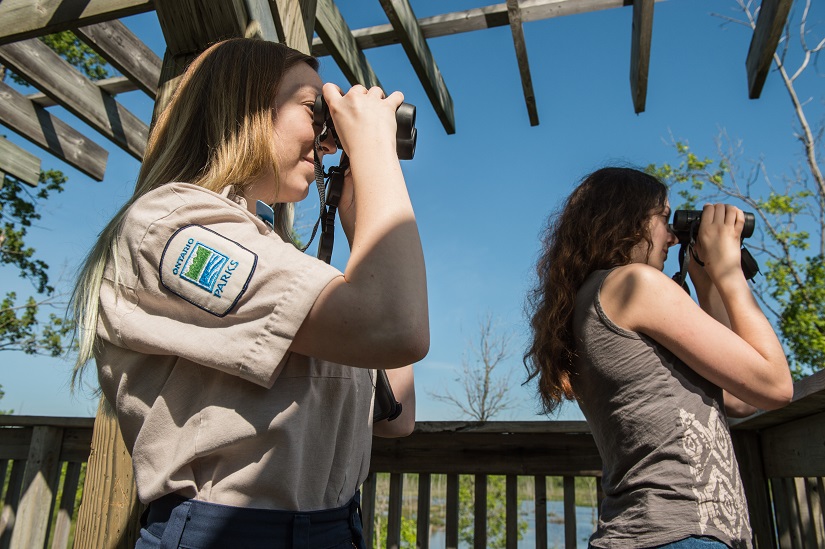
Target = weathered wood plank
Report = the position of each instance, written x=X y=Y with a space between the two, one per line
x=807 y=527
x=295 y=21
x=511 y=511
x=781 y=512
x=39 y=481
x=570 y=512
x=333 y=30
x=260 y=21
x=795 y=449
x=368 y=508
x=190 y=25
x=451 y=518
x=815 y=500
x=55 y=77
x=480 y=512
x=769 y=25
x=124 y=51
x=109 y=513
x=35 y=421
x=541 y=511
x=22 y=19
x=423 y=515
x=19 y=163
x=403 y=20
x=514 y=15
x=11 y=502
x=394 y=511
x=640 y=52
x=63 y=522
x=474 y=19
x=51 y=134
x=112 y=86
x=15 y=443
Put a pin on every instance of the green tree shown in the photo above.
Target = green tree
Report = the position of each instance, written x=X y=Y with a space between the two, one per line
x=22 y=326
x=790 y=210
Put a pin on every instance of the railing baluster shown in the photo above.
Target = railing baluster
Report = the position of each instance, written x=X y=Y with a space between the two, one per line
x=423 y=515
x=570 y=541
x=480 y=513
x=806 y=525
x=781 y=512
x=63 y=522
x=11 y=502
x=511 y=516
x=394 y=513
x=541 y=511
x=368 y=508
x=451 y=520
x=35 y=502
x=815 y=507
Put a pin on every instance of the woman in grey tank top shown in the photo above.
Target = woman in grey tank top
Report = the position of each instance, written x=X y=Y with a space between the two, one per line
x=655 y=374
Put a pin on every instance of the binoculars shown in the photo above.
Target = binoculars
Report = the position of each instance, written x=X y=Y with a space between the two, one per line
x=686 y=224
x=405 y=136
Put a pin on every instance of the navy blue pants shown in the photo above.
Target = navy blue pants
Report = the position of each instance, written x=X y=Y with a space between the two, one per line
x=173 y=522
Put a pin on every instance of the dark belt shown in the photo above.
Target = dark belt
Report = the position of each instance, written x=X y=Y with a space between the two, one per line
x=192 y=523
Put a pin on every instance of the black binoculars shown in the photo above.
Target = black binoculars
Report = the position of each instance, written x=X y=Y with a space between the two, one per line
x=405 y=136
x=686 y=224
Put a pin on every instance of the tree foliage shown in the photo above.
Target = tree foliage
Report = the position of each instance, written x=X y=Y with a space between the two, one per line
x=485 y=389
x=790 y=210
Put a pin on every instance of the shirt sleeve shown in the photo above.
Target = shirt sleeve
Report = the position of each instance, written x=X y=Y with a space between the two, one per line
x=199 y=278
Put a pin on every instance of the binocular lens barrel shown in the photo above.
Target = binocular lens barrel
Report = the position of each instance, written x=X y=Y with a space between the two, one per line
x=405 y=137
x=684 y=222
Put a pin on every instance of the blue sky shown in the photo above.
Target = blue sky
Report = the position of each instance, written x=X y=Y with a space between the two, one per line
x=482 y=195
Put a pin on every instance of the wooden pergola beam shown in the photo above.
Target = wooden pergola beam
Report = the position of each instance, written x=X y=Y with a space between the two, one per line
x=18 y=163
x=475 y=19
x=514 y=15
x=773 y=14
x=125 y=52
x=55 y=77
x=336 y=34
x=640 y=52
x=295 y=21
x=112 y=86
x=22 y=19
x=51 y=134
x=406 y=27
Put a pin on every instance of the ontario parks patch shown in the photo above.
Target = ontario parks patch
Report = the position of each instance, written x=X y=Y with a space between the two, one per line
x=206 y=269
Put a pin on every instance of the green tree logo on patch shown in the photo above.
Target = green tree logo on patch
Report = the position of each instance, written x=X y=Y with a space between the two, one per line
x=203 y=266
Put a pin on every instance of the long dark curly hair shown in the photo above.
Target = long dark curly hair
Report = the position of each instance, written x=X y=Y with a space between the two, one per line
x=597 y=228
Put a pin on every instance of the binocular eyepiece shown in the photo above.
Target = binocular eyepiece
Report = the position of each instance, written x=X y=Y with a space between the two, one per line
x=686 y=223
x=405 y=136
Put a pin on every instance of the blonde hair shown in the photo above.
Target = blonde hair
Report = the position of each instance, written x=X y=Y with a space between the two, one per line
x=216 y=131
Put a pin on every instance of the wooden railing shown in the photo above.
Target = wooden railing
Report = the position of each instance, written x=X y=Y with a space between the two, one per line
x=781 y=456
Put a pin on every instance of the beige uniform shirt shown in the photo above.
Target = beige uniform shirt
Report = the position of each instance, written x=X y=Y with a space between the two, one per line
x=194 y=356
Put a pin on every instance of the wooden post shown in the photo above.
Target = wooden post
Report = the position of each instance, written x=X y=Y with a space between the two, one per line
x=748 y=449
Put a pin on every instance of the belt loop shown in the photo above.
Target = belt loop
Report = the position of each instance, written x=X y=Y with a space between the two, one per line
x=300 y=532
x=173 y=532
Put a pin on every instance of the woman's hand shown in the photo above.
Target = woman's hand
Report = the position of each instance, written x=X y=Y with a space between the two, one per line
x=720 y=241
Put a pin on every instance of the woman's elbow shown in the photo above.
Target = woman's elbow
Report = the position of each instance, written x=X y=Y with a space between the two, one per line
x=781 y=396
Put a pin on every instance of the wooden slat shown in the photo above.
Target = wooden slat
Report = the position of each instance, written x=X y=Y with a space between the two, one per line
x=110 y=507
x=260 y=23
x=44 y=69
x=807 y=527
x=112 y=86
x=772 y=17
x=21 y=19
x=541 y=511
x=124 y=51
x=394 y=511
x=640 y=52
x=63 y=522
x=475 y=19
x=480 y=512
x=423 y=515
x=451 y=519
x=19 y=163
x=794 y=513
x=51 y=134
x=796 y=449
x=514 y=15
x=333 y=30
x=570 y=512
x=11 y=502
x=817 y=499
x=403 y=20
x=295 y=21
x=748 y=452
x=368 y=508
x=38 y=489
x=190 y=25
x=781 y=513
x=511 y=513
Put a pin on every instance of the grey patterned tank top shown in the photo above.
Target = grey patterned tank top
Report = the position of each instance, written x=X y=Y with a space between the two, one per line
x=661 y=430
